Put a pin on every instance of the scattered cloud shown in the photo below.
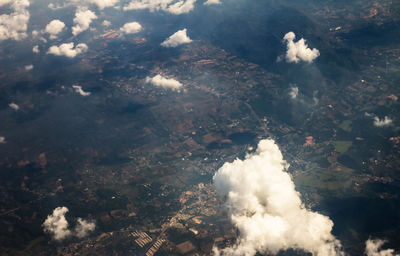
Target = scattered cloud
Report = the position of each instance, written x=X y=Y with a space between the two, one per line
x=267 y=210
x=181 y=7
x=14 y=26
x=83 y=19
x=35 y=49
x=178 y=38
x=106 y=23
x=211 y=2
x=67 y=50
x=28 y=67
x=167 y=83
x=172 y=6
x=298 y=51
x=54 y=28
x=4 y=2
x=386 y=121
x=2 y=140
x=57 y=225
x=373 y=248
x=101 y=4
x=79 y=90
x=131 y=28
x=13 y=106
x=84 y=227
x=293 y=92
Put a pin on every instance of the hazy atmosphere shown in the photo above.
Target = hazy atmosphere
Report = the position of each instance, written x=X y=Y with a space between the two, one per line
x=200 y=127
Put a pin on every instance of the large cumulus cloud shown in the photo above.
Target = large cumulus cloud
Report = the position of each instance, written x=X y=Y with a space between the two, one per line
x=14 y=25
x=267 y=210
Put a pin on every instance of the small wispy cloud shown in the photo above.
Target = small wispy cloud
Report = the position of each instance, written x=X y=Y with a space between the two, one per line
x=79 y=90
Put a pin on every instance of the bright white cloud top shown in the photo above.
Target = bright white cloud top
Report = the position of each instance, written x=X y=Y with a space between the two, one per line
x=28 y=67
x=294 y=92
x=178 y=38
x=13 y=106
x=298 y=51
x=67 y=50
x=83 y=228
x=35 y=49
x=373 y=248
x=101 y=4
x=166 y=83
x=106 y=23
x=384 y=122
x=4 y=2
x=267 y=210
x=54 y=28
x=78 y=89
x=57 y=225
x=131 y=28
x=211 y=2
x=83 y=19
x=172 y=6
x=14 y=25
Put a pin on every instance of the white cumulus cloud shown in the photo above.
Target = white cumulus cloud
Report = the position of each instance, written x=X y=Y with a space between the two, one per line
x=28 y=67
x=101 y=4
x=373 y=248
x=267 y=210
x=178 y=38
x=386 y=121
x=54 y=28
x=106 y=23
x=131 y=28
x=298 y=51
x=210 y=2
x=4 y=2
x=172 y=6
x=67 y=49
x=14 y=25
x=293 y=92
x=79 y=90
x=13 y=106
x=167 y=83
x=83 y=227
x=57 y=225
x=35 y=49
x=83 y=19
